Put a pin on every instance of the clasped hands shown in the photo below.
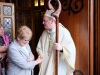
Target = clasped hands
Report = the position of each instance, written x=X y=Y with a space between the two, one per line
x=3 y=48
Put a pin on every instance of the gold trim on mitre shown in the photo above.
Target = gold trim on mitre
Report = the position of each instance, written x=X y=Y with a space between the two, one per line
x=48 y=13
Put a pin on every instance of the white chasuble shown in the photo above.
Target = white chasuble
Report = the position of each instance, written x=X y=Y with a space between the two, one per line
x=45 y=47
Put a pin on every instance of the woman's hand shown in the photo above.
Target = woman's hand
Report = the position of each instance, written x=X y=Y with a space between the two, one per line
x=3 y=48
x=31 y=58
x=3 y=55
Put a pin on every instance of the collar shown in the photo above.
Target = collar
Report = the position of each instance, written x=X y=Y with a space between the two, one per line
x=52 y=30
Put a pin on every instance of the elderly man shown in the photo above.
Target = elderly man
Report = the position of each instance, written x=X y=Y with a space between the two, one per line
x=47 y=47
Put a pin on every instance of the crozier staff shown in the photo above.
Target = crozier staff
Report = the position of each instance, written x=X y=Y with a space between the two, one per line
x=56 y=15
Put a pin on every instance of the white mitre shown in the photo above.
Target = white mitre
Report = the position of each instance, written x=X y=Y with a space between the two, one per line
x=48 y=13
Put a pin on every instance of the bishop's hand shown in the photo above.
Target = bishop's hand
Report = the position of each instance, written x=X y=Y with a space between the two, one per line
x=58 y=46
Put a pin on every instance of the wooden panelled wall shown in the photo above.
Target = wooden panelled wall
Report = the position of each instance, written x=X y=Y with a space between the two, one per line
x=80 y=26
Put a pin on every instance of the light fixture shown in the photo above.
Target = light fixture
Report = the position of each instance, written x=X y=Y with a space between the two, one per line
x=41 y=2
x=36 y=3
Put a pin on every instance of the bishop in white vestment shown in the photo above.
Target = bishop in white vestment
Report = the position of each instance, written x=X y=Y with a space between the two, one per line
x=47 y=47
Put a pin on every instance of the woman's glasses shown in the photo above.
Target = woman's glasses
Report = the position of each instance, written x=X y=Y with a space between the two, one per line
x=26 y=40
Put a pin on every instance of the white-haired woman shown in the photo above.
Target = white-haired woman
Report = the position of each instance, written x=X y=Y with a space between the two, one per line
x=20 y=58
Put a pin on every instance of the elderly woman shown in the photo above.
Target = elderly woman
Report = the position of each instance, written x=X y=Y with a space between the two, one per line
x=20 y=58
x=4 y=42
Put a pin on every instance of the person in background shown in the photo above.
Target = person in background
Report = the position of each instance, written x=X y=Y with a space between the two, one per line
x=77 y=72
x=47 y=47
x=4 y=43
x=20 y=57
